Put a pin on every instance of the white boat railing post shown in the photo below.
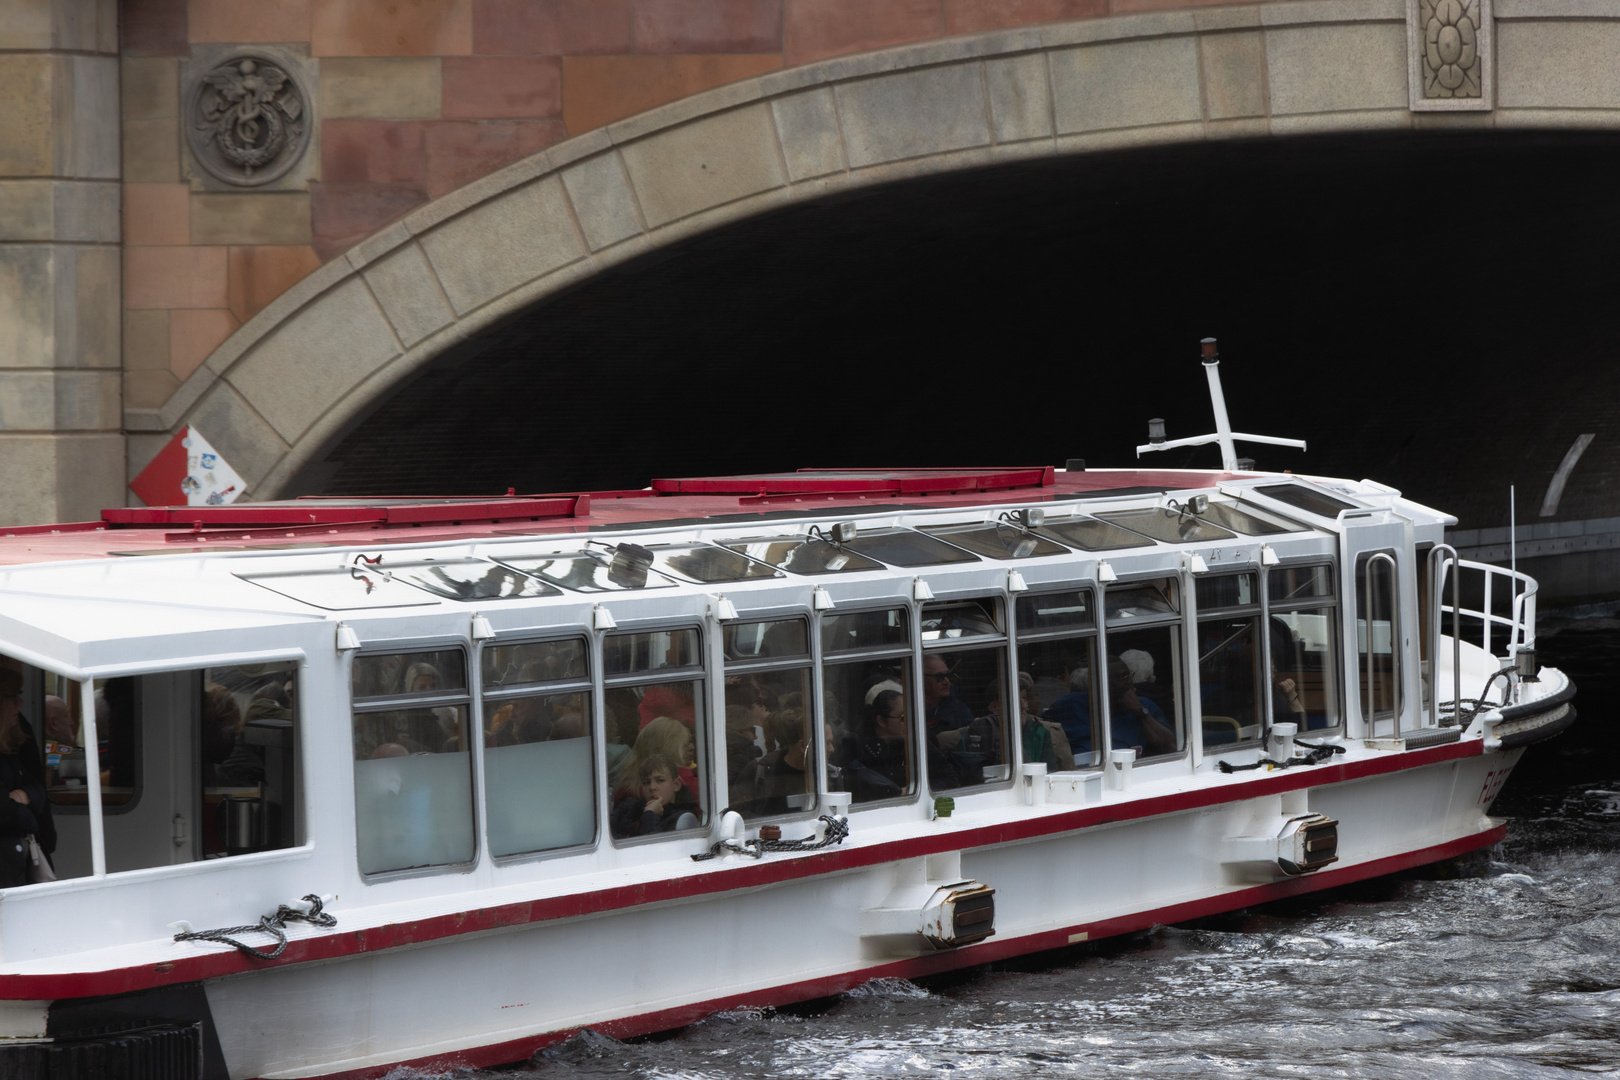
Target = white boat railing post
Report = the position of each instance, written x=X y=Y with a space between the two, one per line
x=1443 y=558
x=92 y=777
x=1394 y=644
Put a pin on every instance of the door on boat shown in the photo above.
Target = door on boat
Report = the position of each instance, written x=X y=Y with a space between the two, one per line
x=1381 y=626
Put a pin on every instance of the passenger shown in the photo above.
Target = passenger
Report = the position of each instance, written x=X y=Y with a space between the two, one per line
x=1140 y=665
x=668 y=699
x=569 y=724
x=388 y=750
x=1135 y=721
x=1044 y=740
x=877 y=762
x=26 y=811
x=944 y=714
x=656 y=802
x=742 y=754
x=1072 y=712
x=788 y=769
x=59 y=725
x=623 y=723
x=1287 y=703
x=665 y=737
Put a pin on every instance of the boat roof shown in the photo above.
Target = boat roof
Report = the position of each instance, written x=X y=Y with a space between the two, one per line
x=316 y=522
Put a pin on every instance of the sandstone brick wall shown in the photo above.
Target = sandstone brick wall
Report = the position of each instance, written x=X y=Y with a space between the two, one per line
x=416 y=98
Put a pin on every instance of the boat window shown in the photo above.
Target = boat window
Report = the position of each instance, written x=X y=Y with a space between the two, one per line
x=1089 y=534
x=964 y=694
x=1057 y=655
x=1143 y=704
x=907 y=547
x=997 y=540
x=412 y=760
x=1229 y=658
x=657 y=733
x=1141 y=600
x=1169 y=525
x=360 y=586
x=539 y=770
x=772 y=754
x=1377 y=637
x=708 y=564
x=866 y=672
x=803 y=555
x=1250 y=522
x=471 y=579
x=212 y=750
x=1308 y=499
x=1302 y=637
x=609 y=569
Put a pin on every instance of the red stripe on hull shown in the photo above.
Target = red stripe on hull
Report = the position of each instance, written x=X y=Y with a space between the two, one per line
x=753 y=875
x=983 y=953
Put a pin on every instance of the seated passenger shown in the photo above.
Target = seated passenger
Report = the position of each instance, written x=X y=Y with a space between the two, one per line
x=944 y=714
x=876 y=762
x=656 y=802
x=668 y=738
x=1044 y=740
x=1072 y=712
x=1135 y=721
x=1140 y=666
x=788 y=769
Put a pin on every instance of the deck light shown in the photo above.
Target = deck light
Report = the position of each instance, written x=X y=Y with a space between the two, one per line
x=347 y=639
x=1106 y=572
x=481 y=630
x=602 y=618
x=724 y=609
x=920 y=590
x=1198 y=505
x=1268 y=556
x=821 y=599
x=1526 y=662
x=844 y=532
x=1015 y=582
x=1156 y=431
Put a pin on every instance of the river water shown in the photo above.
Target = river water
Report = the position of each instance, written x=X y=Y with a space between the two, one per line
x=1505 y=965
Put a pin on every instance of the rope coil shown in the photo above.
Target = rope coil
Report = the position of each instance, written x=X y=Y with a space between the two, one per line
x=1316 y=753
x=837 y=832
x=274 y=925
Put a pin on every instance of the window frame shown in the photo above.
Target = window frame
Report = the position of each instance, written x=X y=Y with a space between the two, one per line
x=976 y=643
x=1331 y=604
x=1093 y=634
x=1177 y=620
x=811 y=658
x=910 y=652
x=1256 y=610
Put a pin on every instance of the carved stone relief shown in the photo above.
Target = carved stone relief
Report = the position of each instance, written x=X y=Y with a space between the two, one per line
x=1449 y=55
x=247 y=118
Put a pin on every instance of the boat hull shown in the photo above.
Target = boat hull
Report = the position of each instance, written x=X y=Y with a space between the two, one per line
x=496 y=995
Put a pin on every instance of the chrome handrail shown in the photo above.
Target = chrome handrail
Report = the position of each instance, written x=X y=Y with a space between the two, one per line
x=1438 y=562
x=1520 y=622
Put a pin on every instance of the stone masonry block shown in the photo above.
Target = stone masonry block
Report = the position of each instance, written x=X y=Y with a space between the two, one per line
x=174 y=277
x=152 y=151
x=149 y=389
x=1234 y=74
x=603 y=201
x=26 y=25
x=705 y=164
x=1126 y=84
x=974 y=16
x=235 y=22
x=77 y=211
x=1336 y=68
x=817 y=29
x=551 y=27
x=27 y=306
x=89 y=401
x=260 y=274
x=306 y=366
x=236 y=431
x=913 y=114
x=485 y=87
x=53 y=478
x=1557 y=64
x=708 y=26
x=410 y=28
x=150 y=88
x=28 y=86
x=503 y=243
x=27 y=400
x=87 y=308
x=404 y=285
x=88 y=143
x=193 y=334
x=602 y=89
x=146 y=340
x=1020 y=102
x=381 y=88
x=157 y=214
x=807 y=124
x=280 y=218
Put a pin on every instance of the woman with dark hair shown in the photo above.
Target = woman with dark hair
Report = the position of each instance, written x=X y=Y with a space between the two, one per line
x=25 y=811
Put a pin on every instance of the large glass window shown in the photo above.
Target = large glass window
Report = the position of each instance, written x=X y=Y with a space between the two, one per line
x=1142 y=620
x=1302 y=636
x=538 y=770
x=1057 y=654
x=657 y=758
x=1171 y=524
x=1378 y=635
x=1229 y=657
x=412 y=760
x=772 y=757
x=964 y=693
x=866 y=669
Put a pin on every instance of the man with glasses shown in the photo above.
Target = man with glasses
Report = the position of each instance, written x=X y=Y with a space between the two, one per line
x=944 y=714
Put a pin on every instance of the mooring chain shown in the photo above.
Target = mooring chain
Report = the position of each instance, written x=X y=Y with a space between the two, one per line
x=1316 y=753
x=274 y=925
x=837 y=832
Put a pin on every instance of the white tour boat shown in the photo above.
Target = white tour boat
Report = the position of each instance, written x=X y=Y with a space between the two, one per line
x=619 y=760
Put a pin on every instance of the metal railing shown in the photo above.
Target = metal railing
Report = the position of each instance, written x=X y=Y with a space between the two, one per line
x=1520 y=622
x=1369 y=712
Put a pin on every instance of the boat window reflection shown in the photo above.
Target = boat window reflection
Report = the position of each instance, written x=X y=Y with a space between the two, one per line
x=772 y=753
x=964 y=694
x=657 y=729
x=1169 y=524
x=804 y=555
x=1229 y=657
x=1143 y=703
x=997 y=540
x=1303 y=640
x=866 y=664
x=1057 y=655
x=1089 y=534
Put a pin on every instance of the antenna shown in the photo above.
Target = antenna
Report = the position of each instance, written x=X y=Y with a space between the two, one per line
x=1224 y=435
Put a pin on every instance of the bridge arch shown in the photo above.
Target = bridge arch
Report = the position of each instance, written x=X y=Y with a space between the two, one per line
x=292 y=378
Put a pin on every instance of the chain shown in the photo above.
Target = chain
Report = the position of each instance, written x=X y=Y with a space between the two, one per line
x=837 y=832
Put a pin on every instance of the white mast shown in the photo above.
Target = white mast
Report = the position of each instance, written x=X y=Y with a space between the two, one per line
x=1224 y=435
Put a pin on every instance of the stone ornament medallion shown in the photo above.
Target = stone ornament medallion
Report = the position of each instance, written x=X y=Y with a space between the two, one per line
x=1449 y=56
x=247 y=119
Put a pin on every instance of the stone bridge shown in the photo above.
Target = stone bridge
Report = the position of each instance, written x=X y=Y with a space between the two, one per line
x=415 y=184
